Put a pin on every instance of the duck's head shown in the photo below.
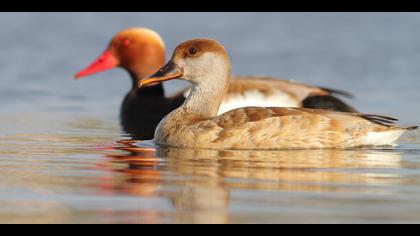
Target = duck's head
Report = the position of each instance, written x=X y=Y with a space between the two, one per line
x=140 y=51
x=196 y=60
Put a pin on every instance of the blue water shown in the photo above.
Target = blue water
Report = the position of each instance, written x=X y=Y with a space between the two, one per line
x=61 y=160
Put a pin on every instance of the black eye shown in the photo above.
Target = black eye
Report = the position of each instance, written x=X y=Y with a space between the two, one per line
x=192 y=51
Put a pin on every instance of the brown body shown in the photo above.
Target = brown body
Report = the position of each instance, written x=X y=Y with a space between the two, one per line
x=268 y=128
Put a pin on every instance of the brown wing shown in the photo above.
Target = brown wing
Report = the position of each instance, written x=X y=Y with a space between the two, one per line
x=241 y=116
x=256 y=127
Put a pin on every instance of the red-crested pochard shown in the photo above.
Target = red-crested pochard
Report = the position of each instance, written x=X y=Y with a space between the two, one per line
x=196 y=123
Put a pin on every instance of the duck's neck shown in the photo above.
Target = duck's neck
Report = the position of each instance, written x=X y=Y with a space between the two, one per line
x=205 y=99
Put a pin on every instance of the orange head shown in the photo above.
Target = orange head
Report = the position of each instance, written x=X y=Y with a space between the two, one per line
x=140 y=51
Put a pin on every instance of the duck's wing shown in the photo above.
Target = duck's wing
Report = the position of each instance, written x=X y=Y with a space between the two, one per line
x=270 y=84
x=277 y=92
x=295 y=128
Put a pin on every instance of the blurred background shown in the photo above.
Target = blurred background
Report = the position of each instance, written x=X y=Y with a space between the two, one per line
x=63 y=156
x=376 y=56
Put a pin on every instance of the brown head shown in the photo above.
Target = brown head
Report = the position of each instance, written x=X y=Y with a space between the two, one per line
x=140 y=51
x=196 y=60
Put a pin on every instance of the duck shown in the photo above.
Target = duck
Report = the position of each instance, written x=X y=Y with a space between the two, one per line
x=141 y=51
x=196 y=124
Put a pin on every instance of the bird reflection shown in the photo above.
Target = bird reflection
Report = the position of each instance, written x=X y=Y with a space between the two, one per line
x=199 y=183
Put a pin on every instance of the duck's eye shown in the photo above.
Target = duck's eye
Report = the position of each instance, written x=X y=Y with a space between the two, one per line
x=192 y=51
x=126 y=42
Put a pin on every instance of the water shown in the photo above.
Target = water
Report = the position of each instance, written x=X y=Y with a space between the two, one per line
x=63 y=157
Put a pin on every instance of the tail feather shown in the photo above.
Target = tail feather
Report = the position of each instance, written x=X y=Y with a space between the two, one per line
x=379 y=120
x=411 y=128
x=385 y=121
x=381 y=116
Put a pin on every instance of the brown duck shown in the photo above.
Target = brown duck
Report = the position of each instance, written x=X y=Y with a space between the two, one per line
x=196 y=123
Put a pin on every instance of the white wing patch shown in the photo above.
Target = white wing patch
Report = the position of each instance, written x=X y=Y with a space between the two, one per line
x=254 y=98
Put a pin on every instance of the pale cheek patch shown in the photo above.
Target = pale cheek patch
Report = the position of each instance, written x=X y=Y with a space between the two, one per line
x=205 y=66
x=256 y=99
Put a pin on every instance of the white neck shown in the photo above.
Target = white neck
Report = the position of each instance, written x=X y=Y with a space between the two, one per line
x=205 y=100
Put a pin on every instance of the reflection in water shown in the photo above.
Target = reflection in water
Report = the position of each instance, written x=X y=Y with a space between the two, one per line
x=82 y=177
x=199 y=182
